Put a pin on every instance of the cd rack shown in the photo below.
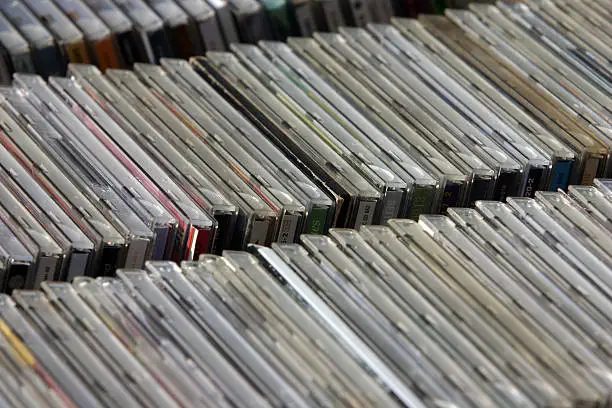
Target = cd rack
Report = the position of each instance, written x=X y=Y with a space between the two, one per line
x=305 y=203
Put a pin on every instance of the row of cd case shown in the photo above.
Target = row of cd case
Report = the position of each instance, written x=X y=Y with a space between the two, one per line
x=43 y=36
x=261 y=144
x=103 y=171
x=501 y=305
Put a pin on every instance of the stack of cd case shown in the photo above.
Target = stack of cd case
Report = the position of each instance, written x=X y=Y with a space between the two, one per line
x=499 y=305
x=44 y=36
x=588 y=141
